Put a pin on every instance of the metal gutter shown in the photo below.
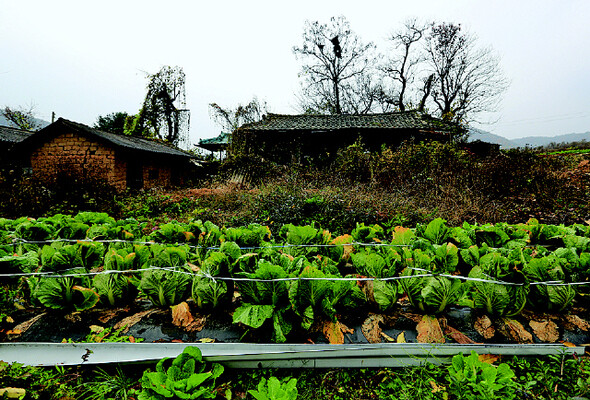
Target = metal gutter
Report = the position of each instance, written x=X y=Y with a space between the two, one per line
x=248 y=355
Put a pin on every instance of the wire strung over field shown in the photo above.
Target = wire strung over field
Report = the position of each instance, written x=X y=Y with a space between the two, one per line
x=301 y=274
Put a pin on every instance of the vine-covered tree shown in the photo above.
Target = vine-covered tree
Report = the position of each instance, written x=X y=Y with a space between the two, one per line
x=22 y=118
x=164 y=114
x=336 y=69
x=113 y=122
x=467 y=79
x=230 y=119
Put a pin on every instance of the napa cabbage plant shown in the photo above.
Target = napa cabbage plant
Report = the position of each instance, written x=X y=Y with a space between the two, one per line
x=209 y=293
x=120 y=288
x=126 y=258
x=232 y=251
x=216 y=263
x=73 y=230
x=504 y=299
x=436 y=231
x=310 y=296
x=69 y=293
x=60 y=257
x=300 y=240
x=114 y=289
x=551 y=296
x=251 y=236
x=27 y=262
x=33 y=230
x=206 y=233
x=374 y=264
x=168 y=256
x=94 y=218
x=173 y=232
x=265 y=299
x=446 y=257
x=430 y=294
x=166 y=287
x=126 y=229
x=273 y=389
x=367 y=233
x=402 y=237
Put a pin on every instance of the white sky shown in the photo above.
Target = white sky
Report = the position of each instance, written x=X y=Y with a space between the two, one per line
x=83 y=59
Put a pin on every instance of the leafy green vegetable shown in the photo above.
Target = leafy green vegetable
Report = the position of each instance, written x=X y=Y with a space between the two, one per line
x=436 y=231
x=430 y=294
x=114 y=289
x=251 y=236
x=301 y=239
x=273 y=389
x=265 y=299
x=496 y=299
x=446 y=258
x=166 y=287
x=28 y=262
x=63 y=293
x=34 y=230
x=471 y=378
x=367 y=234
x=186 y=378
x=548 y=297
x=209 y=293
x=385 y=294
x=173 y=232
x=308 y=297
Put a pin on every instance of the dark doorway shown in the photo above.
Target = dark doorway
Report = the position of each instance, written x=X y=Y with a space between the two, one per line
x=134 y=174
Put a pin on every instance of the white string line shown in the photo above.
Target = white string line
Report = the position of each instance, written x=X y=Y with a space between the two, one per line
x=16 y=241
x=425 y=274
x=286 y=245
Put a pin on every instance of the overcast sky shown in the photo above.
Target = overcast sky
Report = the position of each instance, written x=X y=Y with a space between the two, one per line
x=82 y=59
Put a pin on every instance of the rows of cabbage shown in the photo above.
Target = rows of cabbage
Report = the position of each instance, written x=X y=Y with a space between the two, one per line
x=302 y=275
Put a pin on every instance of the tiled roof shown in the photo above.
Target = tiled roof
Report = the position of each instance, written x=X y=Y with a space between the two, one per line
x=397 y=120
x=219 y=141
x=122 y=141
x=13 y=135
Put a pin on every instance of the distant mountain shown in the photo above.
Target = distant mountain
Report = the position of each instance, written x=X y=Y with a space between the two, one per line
x=536 y=141
x=530 y=141
x=478 y=134
x=5 y=122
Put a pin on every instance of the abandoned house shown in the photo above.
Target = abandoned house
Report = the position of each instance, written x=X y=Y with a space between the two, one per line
x=286 y=138
x=70 y=150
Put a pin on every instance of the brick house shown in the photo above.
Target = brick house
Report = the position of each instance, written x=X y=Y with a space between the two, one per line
x=285 y=138
x=66 y=149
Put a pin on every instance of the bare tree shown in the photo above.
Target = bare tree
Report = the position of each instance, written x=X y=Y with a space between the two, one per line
x=164 y=114
x=231 y=119
x=22 y=118
x=403 y=66
x=334 y=60
x=467 y=79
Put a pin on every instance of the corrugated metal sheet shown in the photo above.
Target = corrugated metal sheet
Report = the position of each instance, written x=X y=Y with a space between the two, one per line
x=247 y=355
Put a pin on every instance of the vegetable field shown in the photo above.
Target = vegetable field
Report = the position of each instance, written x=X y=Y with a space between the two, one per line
x=283 y=287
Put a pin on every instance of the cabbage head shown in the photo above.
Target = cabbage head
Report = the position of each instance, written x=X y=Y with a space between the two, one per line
x=166 y=287
x=548 y=297
x=496 y=299
x=430 y=294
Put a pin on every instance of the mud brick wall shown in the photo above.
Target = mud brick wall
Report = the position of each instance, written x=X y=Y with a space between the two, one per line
x=80 y=158
x=156 y=176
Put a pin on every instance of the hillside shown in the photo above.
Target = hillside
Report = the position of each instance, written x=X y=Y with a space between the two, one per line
x=530 y=141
